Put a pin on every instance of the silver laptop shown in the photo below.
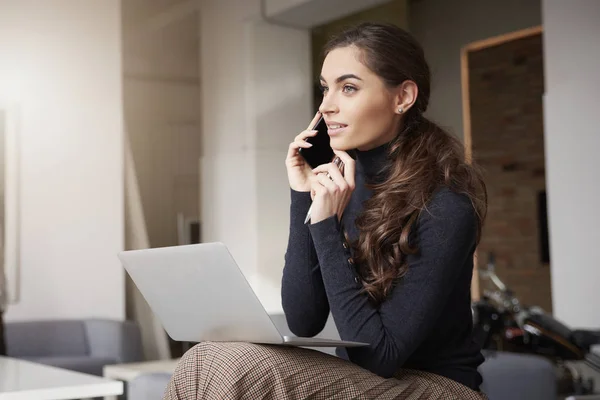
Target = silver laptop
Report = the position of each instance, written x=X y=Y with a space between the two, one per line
x=199 y=293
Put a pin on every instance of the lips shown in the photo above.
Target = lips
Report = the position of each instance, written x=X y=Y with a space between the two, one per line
x=335 y=128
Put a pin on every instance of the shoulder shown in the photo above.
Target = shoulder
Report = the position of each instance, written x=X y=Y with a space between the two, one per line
x=448 y=212
x=446 y=202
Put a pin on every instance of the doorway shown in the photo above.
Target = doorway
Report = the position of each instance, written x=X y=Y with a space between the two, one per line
x=503 y=87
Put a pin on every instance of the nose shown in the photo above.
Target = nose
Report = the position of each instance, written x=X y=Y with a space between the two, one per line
x=328 y=105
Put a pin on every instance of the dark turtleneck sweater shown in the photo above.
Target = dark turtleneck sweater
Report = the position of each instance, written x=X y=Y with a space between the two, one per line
x=426 y=322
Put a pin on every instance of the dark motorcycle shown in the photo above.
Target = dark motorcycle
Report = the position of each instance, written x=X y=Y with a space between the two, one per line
x=501 y=322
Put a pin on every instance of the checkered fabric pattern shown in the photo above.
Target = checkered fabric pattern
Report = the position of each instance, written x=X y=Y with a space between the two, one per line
x=215 y=370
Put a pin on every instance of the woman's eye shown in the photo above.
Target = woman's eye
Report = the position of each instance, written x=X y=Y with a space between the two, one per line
x=349 y=89
x=324 y=89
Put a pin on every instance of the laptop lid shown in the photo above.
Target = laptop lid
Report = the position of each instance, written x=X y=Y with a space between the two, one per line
x=199 y=293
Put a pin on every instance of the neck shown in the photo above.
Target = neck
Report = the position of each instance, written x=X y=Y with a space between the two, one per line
x=374 y=162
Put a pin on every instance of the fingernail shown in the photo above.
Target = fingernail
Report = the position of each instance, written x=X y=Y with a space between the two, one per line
x=309 y=144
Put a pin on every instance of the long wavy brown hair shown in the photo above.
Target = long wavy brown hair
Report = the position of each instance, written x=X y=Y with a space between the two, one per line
x=424 y=158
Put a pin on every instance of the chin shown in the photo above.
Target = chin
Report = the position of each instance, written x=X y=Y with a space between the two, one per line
x=338 y=143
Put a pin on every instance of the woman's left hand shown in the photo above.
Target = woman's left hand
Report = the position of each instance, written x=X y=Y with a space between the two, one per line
x=332 y=194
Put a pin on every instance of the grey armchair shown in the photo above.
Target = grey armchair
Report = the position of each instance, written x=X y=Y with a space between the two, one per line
x=518 y=377
x=79 y=345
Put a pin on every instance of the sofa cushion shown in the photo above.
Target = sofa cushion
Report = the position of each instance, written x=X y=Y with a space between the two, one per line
x=517 y=377
x=148 y=386
x=108 y=338
x=46 y=339
x=85 y=364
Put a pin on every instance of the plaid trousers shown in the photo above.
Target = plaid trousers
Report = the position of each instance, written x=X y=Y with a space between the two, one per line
x=224 y=370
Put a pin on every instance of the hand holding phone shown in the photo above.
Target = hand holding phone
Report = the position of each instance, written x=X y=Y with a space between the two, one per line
x=320 y=152
x=298 y=169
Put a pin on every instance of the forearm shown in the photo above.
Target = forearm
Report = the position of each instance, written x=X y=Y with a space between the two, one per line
x=302 y=292
x=355 y=317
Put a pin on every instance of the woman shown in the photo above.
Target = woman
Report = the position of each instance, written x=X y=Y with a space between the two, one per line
x=388 y=250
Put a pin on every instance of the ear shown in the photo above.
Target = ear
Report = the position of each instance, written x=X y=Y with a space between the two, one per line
x=405 y=96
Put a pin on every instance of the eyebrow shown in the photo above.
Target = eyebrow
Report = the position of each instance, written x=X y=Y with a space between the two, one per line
x=342 y=78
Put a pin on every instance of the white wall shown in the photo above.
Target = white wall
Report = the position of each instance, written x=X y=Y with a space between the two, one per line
x=162 y=122
x=162 y=111
x=282 y=109
x=572 y=139
x=443 y=27
x=61 y=63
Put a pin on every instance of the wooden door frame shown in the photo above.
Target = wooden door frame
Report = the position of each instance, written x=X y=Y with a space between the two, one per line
x=466 y=106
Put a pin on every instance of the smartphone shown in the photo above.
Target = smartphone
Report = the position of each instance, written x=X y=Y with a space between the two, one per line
x=321 y=152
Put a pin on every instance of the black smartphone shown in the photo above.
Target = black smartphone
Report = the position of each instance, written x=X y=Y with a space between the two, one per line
x=321 y=152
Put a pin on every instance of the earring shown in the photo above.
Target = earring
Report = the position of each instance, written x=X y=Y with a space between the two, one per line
x=400 y=110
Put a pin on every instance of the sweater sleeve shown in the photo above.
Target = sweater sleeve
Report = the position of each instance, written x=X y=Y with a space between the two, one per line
x=445 y=234
x=302 y=292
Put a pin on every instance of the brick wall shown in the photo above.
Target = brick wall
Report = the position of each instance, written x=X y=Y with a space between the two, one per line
x=506 y=87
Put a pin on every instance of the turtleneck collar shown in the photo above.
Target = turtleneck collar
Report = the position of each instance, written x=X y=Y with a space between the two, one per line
x=374 y=162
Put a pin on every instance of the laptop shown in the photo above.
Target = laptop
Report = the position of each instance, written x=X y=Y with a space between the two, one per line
x=199 y=293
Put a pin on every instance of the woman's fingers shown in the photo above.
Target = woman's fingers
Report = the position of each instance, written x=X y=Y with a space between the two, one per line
x=349 y=167
x=315 y=186
x=302 y=143
x=329 y=184
x=305 y=135
x=314 y=121
x=334 y=174
x=299 y=142
x=300 y=139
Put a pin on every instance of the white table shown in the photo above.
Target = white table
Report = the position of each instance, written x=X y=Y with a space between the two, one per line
x=128 y=372
x=25 y=380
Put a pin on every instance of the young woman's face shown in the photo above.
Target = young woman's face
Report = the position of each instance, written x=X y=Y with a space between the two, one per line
x=359 y=109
